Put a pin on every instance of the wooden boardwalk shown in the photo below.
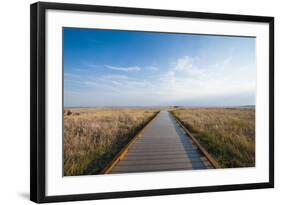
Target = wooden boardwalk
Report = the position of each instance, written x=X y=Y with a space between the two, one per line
x=163 y=146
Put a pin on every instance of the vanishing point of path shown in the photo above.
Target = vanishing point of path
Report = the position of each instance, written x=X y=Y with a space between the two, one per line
x=163 y=146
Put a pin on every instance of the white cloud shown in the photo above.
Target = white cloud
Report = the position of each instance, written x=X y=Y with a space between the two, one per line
x=186 y=65
x=186 y=81
x=116 y=82
x=125 y=69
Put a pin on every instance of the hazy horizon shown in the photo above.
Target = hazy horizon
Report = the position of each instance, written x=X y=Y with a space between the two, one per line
x=106 y=68
x=180 y=106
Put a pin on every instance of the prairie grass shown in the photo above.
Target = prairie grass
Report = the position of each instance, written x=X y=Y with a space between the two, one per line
x=92 y=137
x=228 y=134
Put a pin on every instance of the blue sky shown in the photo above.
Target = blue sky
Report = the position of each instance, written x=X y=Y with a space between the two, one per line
x=125 y=68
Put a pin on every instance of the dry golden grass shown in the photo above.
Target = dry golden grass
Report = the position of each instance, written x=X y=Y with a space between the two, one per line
x=227 y=134
x=92 y=137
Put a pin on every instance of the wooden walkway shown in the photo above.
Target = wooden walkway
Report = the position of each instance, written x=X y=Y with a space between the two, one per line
x=164 y=146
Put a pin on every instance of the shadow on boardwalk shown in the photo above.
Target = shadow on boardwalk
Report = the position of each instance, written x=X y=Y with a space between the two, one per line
x=196 y=160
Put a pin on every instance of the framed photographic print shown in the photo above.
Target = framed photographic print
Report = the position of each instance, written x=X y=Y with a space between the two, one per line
x=129 y=102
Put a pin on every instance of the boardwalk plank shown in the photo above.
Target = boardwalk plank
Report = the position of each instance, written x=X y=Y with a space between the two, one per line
x=181 y=151
x=149 y=157
x=155 y=167
x=158 y=161
x=166 y=170
x=167 y=157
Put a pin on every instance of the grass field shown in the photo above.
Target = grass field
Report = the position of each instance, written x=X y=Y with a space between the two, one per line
x=92 y=137
x=228 y=134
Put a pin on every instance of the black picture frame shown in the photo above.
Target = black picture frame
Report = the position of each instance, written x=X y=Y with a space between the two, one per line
x=38 y=107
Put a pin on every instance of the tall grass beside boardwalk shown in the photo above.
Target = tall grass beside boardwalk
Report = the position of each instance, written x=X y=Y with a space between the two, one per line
x=228 y=134
x=92 y=137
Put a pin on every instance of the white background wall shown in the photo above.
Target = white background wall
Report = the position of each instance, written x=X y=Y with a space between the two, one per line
x=14 y=100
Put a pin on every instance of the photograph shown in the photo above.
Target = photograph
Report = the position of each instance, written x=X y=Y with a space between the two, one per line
x=145 y=101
